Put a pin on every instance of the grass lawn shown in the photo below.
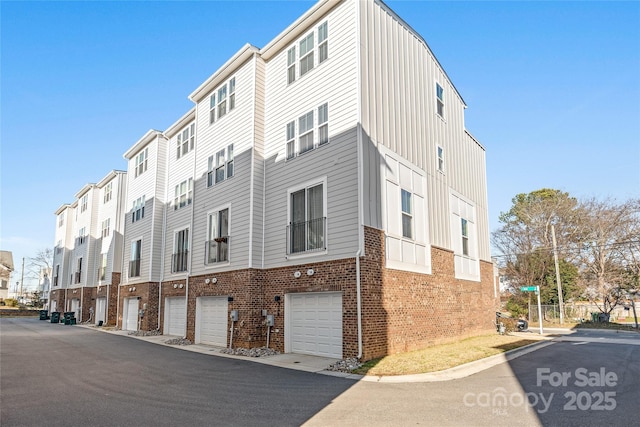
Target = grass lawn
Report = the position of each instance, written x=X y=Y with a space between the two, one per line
x=440 y=357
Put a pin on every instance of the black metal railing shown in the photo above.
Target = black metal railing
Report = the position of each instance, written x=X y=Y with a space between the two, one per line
x=77 y=277
x=179 y=261
x=216 y=250
x=306 y=236
x=134 y=268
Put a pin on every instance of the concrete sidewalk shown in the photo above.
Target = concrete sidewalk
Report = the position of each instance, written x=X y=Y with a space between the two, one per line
x=319 y=365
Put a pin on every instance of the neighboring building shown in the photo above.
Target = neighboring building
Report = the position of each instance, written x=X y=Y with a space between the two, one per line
x=323 y=191
x=88 y=251
x=6 y=268
x=44 y=286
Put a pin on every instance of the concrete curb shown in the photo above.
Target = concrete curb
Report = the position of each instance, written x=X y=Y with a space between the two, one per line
x=454 y=373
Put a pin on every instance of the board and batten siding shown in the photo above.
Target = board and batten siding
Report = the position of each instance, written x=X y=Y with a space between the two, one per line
x=236 y=128
x=333 y=82
x=399 y=111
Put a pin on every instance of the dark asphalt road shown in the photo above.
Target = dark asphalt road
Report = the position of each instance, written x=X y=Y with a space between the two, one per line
x=54 y=375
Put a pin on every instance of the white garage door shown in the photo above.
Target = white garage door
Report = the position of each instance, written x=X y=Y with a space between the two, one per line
x=101 y=310
x=131 y=314
x=75 y=307
x=314 y=323
x=211 y=320
x=175 y=319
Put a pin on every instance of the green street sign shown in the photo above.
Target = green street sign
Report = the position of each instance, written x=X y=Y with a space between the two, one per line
x=528 y=289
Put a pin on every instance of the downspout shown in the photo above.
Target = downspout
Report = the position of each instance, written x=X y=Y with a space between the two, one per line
x=359 y=303
x=193 y=213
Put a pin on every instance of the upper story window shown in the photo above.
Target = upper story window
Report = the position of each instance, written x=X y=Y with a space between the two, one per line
x=56 y=275
x=84 y=203
x=136 y=255
x=217 y=245
x=106 y=225
x=102 y=270
x=307 y=52
x=180 y=254
x=137 y=211
x=78 y=274
x=220 y=166
x=183 y=194
x=306 y=135
x=141 y=162
x=407 y=215
x=440 y=153
x=222 y=100
x=306 y=230
x=439 y=100
x=59 y=247
x=60 y=220
x=185 y=140
x=465 y=236
x=107 y=192
x=82 y=236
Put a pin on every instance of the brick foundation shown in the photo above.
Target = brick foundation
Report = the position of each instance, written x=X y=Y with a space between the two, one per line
x=401 y=311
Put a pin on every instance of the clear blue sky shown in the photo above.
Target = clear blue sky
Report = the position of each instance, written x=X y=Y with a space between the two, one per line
x=552 y=88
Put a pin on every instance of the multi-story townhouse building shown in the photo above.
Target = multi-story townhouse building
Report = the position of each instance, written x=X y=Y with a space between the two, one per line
x=112 y=206
x=143 y=232
x=88 y=252
x=62 y=251
x=323 y=196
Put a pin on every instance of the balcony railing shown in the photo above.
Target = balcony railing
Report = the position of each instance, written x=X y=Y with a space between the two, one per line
x=179 y=261
x=77 y=277
x=55 y=281
x=134 y=268
x=306 y=236
x=216 y=250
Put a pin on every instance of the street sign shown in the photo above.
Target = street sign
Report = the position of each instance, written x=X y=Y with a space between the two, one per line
x=528 y=288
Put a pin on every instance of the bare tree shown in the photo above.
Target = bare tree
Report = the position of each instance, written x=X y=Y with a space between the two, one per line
x=608 y=252
x=40 y=264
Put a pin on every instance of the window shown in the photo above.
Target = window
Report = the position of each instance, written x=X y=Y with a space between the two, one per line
x=222 y=100
x=141 y=162
x=212 y=108
x=84 y=202
x=78 y=273
x=440 y=151
x=291 y=65
x=323 y=44
x=180 y=251
x=465 y=236
x=59 y=247
x=60 y=220
x=307 y=222
x=137 y=212
x=217 y=245
x=183 y=194
x=306 y=124
x=107 y=192
x=105 y=227
x=306 y=54
x=220 y=166
x=291 y=140
x=56 y=275
x=305 y=127
x=134 y=263
x=81 y=236
x=185 y=140
x=323 y=124
x=102 y=272
x=440 y=100
x=407 y=215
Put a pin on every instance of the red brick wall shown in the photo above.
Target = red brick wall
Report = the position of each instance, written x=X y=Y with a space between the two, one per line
x=147 y=294
x=406 y=311
x=88 y=301
x=59 y=297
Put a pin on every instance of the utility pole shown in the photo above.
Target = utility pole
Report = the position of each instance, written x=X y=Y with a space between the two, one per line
x=555 y=258
x=22 y=281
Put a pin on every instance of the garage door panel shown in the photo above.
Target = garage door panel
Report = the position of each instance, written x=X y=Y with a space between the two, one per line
x=132 y=314
x=316 y=324
x=211 y=320
x=175 y=320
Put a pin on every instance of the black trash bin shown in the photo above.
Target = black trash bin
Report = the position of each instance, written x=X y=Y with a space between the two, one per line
x=44 y=314
x=70 y=318
x=55 y=316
